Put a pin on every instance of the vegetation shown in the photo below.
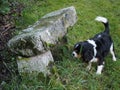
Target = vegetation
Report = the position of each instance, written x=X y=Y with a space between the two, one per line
x=70 y=73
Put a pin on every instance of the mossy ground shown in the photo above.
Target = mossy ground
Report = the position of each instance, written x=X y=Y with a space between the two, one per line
x=71 y=73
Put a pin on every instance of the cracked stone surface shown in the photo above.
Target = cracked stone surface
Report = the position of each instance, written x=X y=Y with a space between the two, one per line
x=47 y=31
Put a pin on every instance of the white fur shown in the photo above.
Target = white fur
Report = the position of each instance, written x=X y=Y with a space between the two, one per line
x=94 y=60
x=92 y=42
x=94 y=46
x=95 y=52
x=90 y=63
x=99 y=36
x=99 y=69
x=101 y=19
x=103 y=63
x=89 y=66
x=112 y=52
x=75 y=54
x=76 y=45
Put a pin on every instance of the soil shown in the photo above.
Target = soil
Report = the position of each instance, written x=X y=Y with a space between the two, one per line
x=7 y=31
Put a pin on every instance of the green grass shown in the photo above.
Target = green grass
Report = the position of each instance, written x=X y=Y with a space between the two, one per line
x=70 y=73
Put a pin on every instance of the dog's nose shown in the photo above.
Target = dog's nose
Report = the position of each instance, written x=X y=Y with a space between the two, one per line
x=73 y=54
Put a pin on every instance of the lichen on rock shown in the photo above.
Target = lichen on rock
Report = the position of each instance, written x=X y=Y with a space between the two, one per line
x=48 y=30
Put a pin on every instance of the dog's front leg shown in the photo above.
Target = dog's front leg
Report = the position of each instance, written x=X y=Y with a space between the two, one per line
x=100 y=67
x=89 y=65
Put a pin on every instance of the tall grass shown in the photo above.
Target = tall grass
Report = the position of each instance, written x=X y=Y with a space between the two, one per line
x=70 y=73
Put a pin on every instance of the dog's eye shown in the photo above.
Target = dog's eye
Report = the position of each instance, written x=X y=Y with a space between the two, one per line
x=77 y=51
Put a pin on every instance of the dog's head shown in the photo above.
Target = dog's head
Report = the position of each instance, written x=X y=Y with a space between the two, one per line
x=83 y=50
x=77 y=50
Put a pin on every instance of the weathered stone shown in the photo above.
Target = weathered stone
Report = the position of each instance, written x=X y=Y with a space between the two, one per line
x=38 y=63
x=47 y=31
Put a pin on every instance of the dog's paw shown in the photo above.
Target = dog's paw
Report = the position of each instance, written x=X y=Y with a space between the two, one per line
x=88 y=68
x=98 y=73
x=114 y=59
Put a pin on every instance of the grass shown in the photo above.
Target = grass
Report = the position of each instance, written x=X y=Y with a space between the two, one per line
x=70 y=73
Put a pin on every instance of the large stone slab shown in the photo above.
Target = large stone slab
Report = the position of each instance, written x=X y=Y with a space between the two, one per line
x=38 y=63
x=47 y=31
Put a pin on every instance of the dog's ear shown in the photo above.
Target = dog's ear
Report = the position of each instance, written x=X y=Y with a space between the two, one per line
x=77 y=45
x=88 y=55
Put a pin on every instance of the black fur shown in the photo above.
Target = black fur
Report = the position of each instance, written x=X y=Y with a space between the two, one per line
x=103 y=42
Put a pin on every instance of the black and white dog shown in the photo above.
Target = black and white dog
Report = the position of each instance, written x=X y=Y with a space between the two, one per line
x=96 y=48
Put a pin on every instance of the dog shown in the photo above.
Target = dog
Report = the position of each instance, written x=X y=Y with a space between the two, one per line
x=97 y=48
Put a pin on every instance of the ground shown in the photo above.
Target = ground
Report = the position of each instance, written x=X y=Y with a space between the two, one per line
x=70 y=73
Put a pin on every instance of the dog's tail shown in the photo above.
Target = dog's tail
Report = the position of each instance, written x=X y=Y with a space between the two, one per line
x=104 y=21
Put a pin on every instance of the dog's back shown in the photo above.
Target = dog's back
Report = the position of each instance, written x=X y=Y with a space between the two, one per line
x=103 y=40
